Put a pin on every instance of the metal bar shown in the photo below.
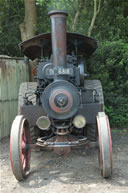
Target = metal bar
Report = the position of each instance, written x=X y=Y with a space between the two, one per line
x=62 y=144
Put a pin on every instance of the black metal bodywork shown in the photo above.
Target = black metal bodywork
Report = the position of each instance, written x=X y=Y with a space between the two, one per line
x=33 y=112
x=62 y=91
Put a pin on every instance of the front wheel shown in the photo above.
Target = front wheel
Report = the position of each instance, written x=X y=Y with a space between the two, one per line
x=20 y=151
x=105 y=145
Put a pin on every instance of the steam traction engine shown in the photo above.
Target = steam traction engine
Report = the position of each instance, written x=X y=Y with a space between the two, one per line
x=63 y=108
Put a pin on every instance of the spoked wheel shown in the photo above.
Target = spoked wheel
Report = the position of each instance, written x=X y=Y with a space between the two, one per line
x=20 y=151
x=105 y=145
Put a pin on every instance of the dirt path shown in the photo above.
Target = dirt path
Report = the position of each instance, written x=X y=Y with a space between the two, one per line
x=76 y=173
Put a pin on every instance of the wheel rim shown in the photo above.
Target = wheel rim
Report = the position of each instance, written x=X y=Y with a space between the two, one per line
x=110 y=141
x=20 y=151
x=105 y=145
x=25 y=151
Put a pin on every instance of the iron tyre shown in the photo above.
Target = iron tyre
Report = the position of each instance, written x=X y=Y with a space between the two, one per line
x=105 y=145
x=20 y=151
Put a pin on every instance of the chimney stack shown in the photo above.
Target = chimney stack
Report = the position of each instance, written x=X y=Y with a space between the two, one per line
x=58 y=36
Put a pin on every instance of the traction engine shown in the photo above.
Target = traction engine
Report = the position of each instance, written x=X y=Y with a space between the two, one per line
x=63 y=108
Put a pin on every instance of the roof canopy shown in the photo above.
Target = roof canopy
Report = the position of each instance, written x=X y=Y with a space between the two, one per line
x=41 y=45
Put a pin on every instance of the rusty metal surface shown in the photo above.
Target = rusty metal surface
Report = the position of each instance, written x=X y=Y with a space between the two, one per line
x=13 y=71
x=32 y=47
x=62 y=150
x=58 y=36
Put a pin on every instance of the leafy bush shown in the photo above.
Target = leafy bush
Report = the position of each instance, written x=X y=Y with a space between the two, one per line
x=110 y=65
x=11 y=15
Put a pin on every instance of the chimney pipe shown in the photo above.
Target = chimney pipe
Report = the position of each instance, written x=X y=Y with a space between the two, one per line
x=58 y=35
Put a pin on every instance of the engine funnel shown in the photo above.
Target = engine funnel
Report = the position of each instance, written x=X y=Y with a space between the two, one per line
x=58 y=35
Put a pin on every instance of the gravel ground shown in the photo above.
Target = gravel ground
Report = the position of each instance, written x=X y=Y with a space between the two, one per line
x=76 y=173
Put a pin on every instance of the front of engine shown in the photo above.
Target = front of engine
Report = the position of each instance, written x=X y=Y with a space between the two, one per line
x=66 y=103
x=59 y=82
x=60 y=98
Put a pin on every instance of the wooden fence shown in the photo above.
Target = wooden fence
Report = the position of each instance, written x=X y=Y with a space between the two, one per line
x=13 y=71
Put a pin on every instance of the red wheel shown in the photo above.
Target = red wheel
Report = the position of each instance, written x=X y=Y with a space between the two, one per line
x=20 y=151
x=105 y=145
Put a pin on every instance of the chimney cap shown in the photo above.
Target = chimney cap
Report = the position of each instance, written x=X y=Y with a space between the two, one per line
x=55 y=12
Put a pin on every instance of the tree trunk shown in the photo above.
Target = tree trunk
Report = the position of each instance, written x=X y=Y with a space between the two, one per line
x=27 y=28
x=95 y=13
x=75 y=21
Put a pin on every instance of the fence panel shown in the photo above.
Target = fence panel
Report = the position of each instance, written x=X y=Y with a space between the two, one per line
x=13 y=71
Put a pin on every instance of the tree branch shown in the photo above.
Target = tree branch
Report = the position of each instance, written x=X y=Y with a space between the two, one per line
x=95 y=13
x=99 y=7
x=77 y=15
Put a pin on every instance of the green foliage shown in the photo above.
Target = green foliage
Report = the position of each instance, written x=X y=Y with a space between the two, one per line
x=11 y=15
x=43 y=22
x=109 y=64
x=112 y=22
x=70 y=6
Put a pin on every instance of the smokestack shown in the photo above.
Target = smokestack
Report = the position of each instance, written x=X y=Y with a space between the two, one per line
x=59 y=39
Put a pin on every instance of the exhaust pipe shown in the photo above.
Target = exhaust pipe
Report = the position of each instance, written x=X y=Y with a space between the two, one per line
x=59 y=39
